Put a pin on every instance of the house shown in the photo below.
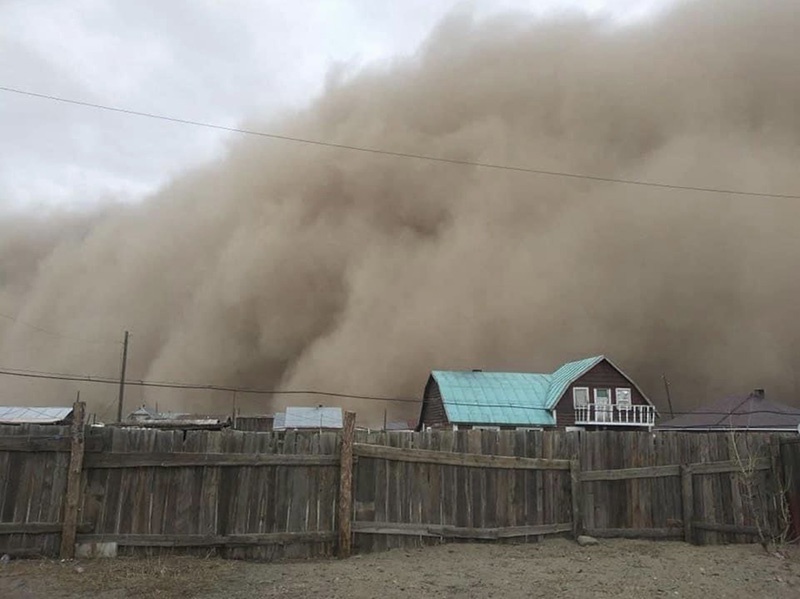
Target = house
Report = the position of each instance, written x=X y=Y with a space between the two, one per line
x=145 y=417
x=752 y=412
x=319 y=418
x=29 y=415
x=144 y=414
x=589 y=394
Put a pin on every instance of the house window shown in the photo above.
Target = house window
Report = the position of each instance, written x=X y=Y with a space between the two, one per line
x=580 y=396
x=602 y=405
x=602 y=396
x=623 y=398
x=485 y=427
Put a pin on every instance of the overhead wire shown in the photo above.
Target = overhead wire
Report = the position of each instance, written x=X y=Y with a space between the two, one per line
x=197 y=387
x=400 y=154
x=55 y=333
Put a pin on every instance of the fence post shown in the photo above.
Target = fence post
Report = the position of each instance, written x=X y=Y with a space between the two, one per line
x=778 y=527
x=687 y=499
x=346 y=484
x=575 y=480
x=70 y=524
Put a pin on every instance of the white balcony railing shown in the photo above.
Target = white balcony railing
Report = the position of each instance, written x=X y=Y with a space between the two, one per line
x=614 y=415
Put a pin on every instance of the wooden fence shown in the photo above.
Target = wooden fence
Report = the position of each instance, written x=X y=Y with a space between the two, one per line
x=289 y=495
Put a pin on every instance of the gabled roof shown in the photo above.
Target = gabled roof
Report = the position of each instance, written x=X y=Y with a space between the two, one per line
x=567 y=374
x=27 y=415
x=145 y=412
x=509 y=398
x=495 y=397
x=743 y=412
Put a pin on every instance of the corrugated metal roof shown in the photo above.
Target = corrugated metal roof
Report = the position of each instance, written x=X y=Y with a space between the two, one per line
x=506 y=398
x=279 y=424
x=566 y=374
x=313 y=418
x=26 y=415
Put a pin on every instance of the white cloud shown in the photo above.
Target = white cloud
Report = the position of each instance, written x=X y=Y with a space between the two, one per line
x=209 y=60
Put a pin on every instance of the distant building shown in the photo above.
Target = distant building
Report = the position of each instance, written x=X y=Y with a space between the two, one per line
x=30 y=415
x=299 y=418
x=588 y=394
x=751 y=412
x=264 y=423
x=145 y=417
x=144 y=413
x=401 y=425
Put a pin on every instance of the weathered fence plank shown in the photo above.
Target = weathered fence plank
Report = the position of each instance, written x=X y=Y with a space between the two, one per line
x=183 y=460
x=575 y=492
x=183 y=540
x=687 y=501
x=631 y=473
x=455 y=532
x=72 y=498
x=636 y=533
x=346 y=484
x=458 y=459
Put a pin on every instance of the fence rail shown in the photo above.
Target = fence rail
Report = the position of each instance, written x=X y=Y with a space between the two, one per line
x=270 y=496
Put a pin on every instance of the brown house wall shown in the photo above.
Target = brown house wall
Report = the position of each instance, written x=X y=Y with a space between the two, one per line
x=433 y=413
x=602 y=376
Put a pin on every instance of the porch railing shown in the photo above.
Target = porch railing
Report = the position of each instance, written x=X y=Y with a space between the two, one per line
x=616 y=415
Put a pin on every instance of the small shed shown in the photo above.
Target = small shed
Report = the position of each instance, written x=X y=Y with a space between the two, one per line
x=752 y=412
x=401 y=425
x=145 y=417
x=301 y=418
x=35 y=415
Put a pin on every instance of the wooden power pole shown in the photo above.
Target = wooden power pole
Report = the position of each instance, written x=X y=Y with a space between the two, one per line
x=122 y=377
x=669 y=397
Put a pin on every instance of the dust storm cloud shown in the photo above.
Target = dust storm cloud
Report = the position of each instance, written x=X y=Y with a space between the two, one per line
x=295 y=266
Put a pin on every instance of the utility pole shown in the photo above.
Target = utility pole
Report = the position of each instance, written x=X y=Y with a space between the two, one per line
x=122 y=377
x=233 y=412
x=669 y=398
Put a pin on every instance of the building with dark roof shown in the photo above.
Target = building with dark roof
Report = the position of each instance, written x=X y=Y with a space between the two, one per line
x=753 y=412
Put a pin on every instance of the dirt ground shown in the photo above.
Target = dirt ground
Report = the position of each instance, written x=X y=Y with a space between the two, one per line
x=553 y=568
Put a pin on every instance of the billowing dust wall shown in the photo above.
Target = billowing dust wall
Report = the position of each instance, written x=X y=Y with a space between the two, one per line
x=299 y=266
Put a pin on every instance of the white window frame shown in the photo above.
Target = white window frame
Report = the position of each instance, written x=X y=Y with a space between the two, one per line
x=627 y=402
x=596 y=396
x=603 y=412
x=485 y=427
x=574 y=399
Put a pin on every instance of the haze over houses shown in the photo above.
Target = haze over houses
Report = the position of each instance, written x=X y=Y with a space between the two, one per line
x=752 y=412
x=588 y=394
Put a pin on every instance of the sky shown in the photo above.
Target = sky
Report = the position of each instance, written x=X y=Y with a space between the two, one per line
x=214 y=61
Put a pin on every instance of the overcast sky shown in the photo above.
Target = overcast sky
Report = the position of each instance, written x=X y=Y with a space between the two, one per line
x=215 y=61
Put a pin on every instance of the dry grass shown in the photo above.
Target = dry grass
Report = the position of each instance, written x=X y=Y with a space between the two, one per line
x=124 y=577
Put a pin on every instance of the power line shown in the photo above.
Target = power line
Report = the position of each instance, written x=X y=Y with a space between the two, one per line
x=189 y=386
x=53 y=333
x=397 y=154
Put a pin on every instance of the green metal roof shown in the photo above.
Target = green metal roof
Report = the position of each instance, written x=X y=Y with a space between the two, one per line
x=506 y=398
